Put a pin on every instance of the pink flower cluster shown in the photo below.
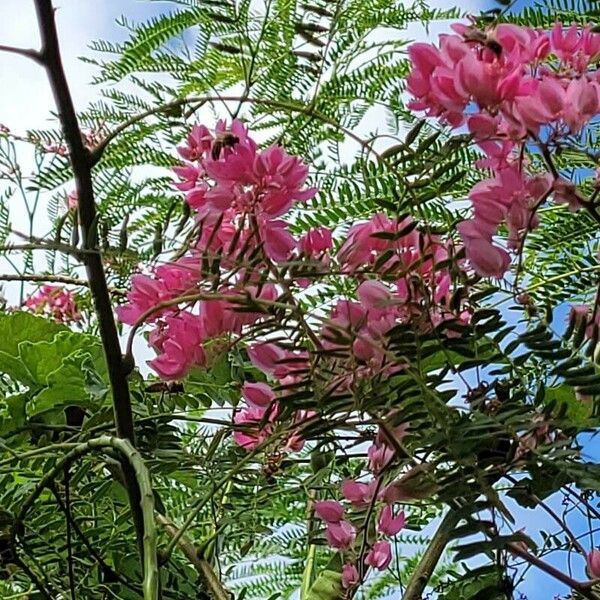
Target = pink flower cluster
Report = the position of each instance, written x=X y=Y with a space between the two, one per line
x=340 y=532
x=238 y=193
x=55 y=302
x=228 y=179
x=512 y=86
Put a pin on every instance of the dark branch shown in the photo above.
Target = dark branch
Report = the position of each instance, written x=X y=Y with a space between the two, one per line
x=88 y=219
x=26 y=52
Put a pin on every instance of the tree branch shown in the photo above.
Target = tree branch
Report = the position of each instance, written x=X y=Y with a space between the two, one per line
x=88 y=219
x=217 y=591
x=424 y=570
x=26 y=52
x=63 y=279
x=107 y=569
x=583 y=588
x=97 y=152
x=45 y=279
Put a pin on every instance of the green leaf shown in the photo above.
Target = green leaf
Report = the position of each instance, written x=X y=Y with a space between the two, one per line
x=74 y=382
x=42 y=358
x=563 y=401
x=19 y=327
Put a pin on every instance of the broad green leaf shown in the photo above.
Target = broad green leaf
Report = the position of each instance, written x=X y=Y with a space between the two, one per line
x=69 y=384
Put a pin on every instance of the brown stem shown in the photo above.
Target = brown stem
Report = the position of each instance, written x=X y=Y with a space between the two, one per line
x=583 y=588
x=45 y=279
x=96 y=154
x=88 y=219
x=204 y=568
x=560 y=522
x=63 y=279
x=585 y=202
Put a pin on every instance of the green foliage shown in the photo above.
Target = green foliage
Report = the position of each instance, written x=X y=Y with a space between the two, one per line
x=322 y=80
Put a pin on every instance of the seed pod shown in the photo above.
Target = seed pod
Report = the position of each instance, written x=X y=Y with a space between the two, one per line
x=157 y=243
x=580 y=329
x=322 y=12
x=591 y=347
x=123 y=234
x=219 y=3
x=310 y=56
x=221 y=18
x=59 y=227
x=311 y=39
x=314 y=27
x=75 y=231
x=228 y=49
x=186 y=213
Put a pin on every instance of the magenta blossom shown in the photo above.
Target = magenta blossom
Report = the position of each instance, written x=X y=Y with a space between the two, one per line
x=388 y=524
x=329 y=511
x=56 y=302
x=593 y=563
x=258 y=395
x=359 y=494
x=380 y=555
x=340 y=535
x=350 y=576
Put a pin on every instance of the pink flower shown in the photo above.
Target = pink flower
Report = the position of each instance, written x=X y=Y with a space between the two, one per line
x=359 y=494
x=255 y=426
x=379 y=457
x=581 y=104
x=350 y=576
x=498 y=154
x=282 y=177
x=486 y=259
x=316 y=241
x=179 y=343
x=388 y=524
x=167 y=282
x=73 y=199
x=199 y=142
x=477 y=79
x=189 y=175
x=329 y=511
x=483 y=126
x=266 y=356
x=380 y=555
x=565 y=192
x=278 y=241
x=374 y=294
x=565 y=43
x=340 y=535
x=55 y=302
x=258 y=395
x=593 y=563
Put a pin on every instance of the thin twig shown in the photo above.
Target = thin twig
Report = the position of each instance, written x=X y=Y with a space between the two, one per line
x=142 y=481
x=69 y=519
x=107 y=569
x=582 y=588
x=218 y=592
x=96 y=154
x=26 y=52
x=45 y=279
x=62 y=279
